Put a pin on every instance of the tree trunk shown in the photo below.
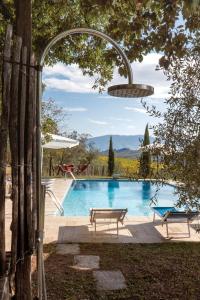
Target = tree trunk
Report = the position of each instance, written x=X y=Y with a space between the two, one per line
x=24 y=22
x=23 y=27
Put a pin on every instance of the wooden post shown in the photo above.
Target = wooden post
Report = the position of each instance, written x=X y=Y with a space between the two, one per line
x=22 y=111
x=21 y=185
x=34 y=161
x=29 y=130
x=23 y=275
x=6 y=77
x=13 y=132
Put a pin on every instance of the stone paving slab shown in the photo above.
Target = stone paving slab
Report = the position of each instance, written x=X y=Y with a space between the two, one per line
x=86 y=262
x=84 y=233
x=65 y=249
x=109 y=280
x=135 y=230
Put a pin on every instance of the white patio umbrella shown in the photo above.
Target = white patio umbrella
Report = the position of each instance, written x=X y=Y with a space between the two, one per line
x=58 y=142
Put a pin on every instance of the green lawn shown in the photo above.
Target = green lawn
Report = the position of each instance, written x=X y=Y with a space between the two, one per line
x=152 y=271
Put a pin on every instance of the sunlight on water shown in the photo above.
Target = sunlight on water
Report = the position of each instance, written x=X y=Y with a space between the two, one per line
x=136 y=196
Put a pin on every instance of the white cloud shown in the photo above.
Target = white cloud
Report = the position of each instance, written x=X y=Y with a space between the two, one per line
x=135 y=109
x=154 y=100
x=67 y=85
x=75 y=109
x=131 y=126
x=151 y=58
x=112 y=126
x=73 y=80
x=57 y=69
x=97 y=122
x=121 y=119
x=103 y=96
x=71 y=72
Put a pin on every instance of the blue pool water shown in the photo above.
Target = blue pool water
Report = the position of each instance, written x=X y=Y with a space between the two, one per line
x=85 y=194
x=136 y=196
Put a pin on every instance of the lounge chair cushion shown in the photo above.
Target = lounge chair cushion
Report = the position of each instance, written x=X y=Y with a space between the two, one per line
x=172 y=213
x=161 y=211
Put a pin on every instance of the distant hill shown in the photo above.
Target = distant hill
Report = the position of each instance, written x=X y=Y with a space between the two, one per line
x=124 y=152
x=131 y=142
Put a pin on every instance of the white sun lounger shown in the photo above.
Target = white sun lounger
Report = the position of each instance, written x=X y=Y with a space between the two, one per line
x=171 y=215
x=117 y=215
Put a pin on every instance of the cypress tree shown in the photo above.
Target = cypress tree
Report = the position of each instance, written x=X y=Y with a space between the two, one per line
x=145 y=159
x=111 y=158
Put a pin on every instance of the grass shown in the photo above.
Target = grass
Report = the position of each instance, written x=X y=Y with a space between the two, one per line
x=127 y=165
x=152 y=271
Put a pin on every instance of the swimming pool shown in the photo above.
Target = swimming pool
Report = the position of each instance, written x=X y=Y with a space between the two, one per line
x=134 y=195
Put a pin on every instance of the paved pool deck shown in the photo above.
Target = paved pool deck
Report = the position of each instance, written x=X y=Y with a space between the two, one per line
x=60 y=229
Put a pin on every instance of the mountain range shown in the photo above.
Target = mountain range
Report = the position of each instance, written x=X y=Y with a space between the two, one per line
x=120 y=142
x=124 y=152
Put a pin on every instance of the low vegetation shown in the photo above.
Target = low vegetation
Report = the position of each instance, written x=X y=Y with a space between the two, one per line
x=152 y=271
x=126 y=167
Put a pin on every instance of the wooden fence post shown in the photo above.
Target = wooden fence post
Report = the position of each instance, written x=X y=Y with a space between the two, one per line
x=26 y=235
x=4 y=140
x=22 y=113
x=13 y=126
x=34 y=161
x=29 y=130
x=29 y=232
x=18 y=121
x=21 y=122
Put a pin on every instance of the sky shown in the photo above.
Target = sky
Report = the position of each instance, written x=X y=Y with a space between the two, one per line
x=100 y=114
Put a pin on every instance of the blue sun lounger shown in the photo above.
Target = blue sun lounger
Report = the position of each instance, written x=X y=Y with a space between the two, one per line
x=172 y=215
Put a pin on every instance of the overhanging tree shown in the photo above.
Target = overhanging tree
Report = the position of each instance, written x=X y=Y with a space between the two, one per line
x=52 y=116
x=111 y=158
x=139 y=27
x=180 y=128
x=145 y=159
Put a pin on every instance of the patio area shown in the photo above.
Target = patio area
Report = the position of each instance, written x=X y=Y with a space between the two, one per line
x=60 y=229
x=134 y=230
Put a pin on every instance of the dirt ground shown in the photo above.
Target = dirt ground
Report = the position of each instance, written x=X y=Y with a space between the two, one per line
x=152 y=271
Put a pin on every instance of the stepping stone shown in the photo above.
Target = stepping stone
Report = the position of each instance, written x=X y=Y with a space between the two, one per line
x=86 y=262
x=64 y=249
x=109 y=280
